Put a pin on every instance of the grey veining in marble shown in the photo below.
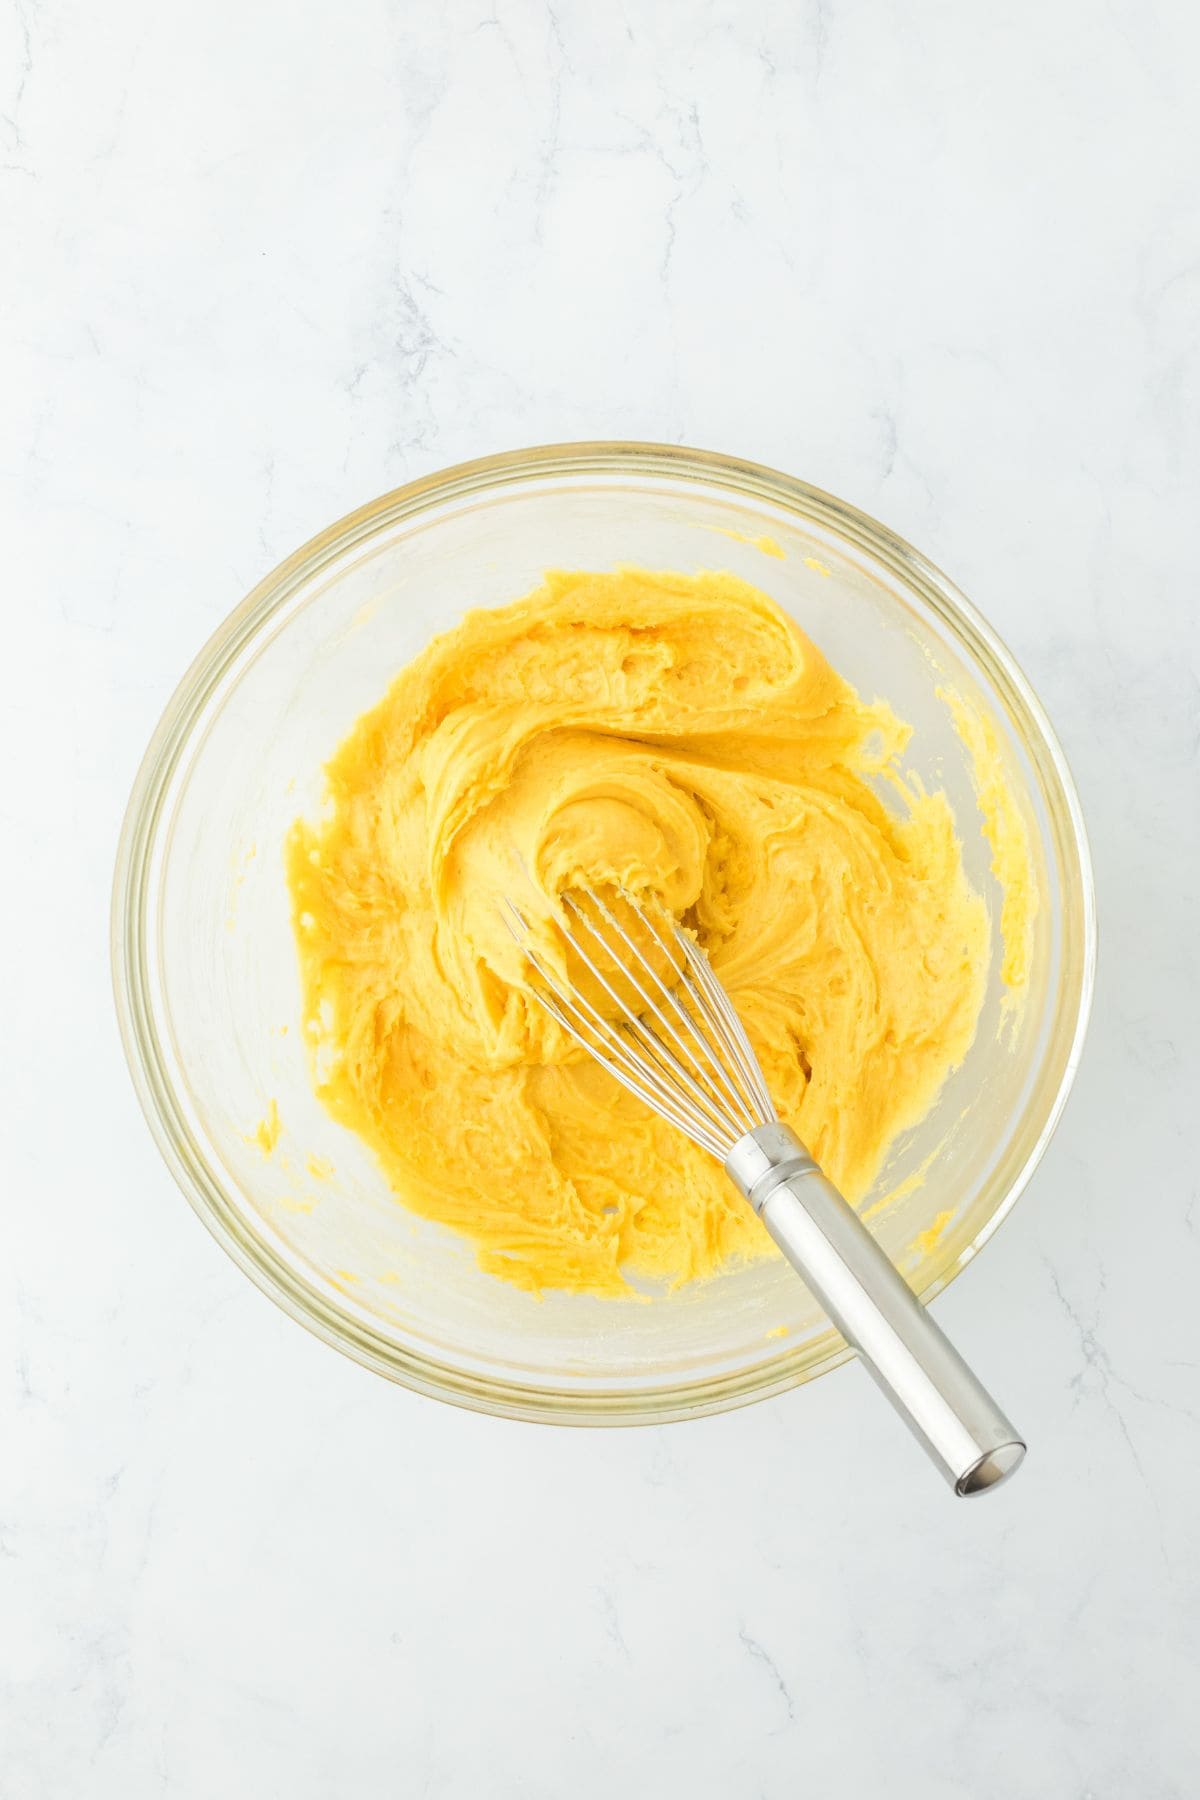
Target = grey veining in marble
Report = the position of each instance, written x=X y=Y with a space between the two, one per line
x=263 y=261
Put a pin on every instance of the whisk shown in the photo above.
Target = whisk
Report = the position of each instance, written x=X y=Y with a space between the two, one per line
x=659 y=1021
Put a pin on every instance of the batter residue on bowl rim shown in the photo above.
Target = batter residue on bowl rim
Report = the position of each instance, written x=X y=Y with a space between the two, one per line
x=678 y=735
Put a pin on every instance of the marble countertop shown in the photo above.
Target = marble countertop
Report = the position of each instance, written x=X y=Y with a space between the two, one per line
x=265 y=261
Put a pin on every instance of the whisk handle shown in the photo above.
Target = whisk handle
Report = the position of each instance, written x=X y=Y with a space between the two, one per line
x=871 y=1304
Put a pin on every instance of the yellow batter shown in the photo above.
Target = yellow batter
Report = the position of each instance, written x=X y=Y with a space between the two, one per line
x=679 y=735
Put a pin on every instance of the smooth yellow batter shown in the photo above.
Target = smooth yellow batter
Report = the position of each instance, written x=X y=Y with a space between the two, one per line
x=680 y=736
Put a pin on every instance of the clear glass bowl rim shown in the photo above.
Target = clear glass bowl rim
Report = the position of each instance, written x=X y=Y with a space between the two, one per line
x=169 y=743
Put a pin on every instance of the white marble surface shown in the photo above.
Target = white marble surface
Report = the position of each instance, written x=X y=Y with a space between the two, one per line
x=264 y=260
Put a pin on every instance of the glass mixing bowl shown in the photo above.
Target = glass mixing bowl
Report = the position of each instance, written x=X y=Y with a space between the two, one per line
x=206 y=977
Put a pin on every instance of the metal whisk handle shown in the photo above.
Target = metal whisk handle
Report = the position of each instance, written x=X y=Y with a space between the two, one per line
x=875 y=1310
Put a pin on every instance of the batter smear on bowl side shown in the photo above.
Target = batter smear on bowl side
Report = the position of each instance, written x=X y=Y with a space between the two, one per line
x=672 y=734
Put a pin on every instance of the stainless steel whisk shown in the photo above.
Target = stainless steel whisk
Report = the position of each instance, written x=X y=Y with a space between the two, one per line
x=670 y=1034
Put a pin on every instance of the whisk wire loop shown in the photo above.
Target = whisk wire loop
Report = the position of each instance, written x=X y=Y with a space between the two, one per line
x=696 y=1057
x=679 y=1046
x=619 y=1052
